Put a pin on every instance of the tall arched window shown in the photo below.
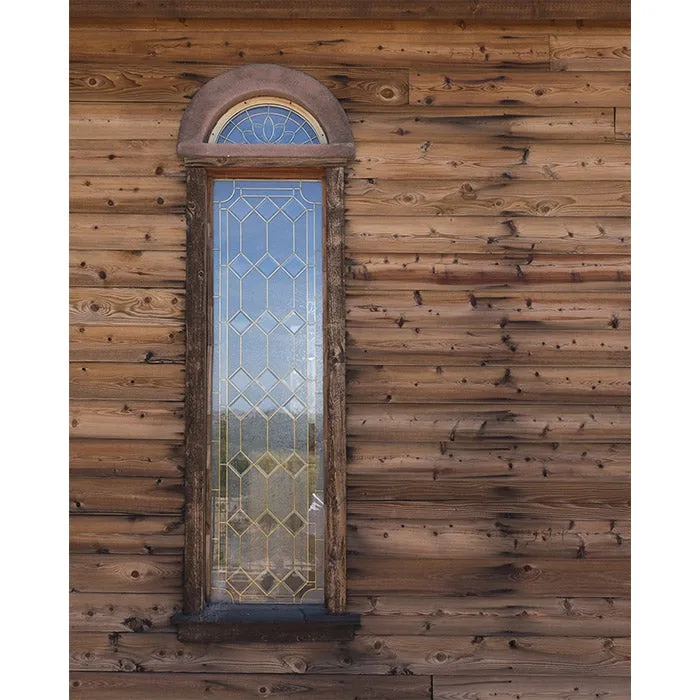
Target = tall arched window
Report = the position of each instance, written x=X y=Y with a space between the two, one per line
x=264 y=149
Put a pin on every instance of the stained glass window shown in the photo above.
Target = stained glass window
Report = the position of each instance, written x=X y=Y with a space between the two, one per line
x=267 y=123
x=267 y=400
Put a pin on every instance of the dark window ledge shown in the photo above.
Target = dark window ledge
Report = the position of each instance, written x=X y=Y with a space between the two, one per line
x=265 y=623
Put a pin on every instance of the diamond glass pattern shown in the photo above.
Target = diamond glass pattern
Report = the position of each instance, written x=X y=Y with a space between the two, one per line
x=267 y=460
x=267 y=124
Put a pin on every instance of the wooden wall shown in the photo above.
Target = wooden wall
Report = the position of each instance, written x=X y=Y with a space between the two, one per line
x=488 y=245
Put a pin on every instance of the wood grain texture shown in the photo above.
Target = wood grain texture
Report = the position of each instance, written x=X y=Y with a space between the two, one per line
x=131 y=307
x=495 y=615
x=130 y=534
x=582 y=687
x=605 y=52
x=122 y=612
x=482 y=385
x=170 y=83
x=334 y=389
x=129 y=495
x=365 y=655
x=487 y=198
x=468 y=424
x=197 y=391
x=116 y=380
x=309 y=46
x=125 y=120
x=124 y=158
x=387 y=615
x=623 y=123
x=106 y=573
x=378 y=9
x=201 y=686
x=469 y=539
x=485 y=238
x=92 y=232
x=490 y=235
x=149 y=344
x=129 y=268
x=490 y=307
x=119 y=420
x=554 y=89
x=480 y=124
x=117 y=195
x=506 y=460
x=524 y=160
x=95 y=457
x=440 y=271
x=463 y=347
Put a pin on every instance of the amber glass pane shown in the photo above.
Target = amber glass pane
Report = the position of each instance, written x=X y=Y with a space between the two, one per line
x=267 y=392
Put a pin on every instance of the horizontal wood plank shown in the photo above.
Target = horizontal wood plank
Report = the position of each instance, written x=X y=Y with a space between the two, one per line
x=429 y=271
x=468 y=424
x=485 y=234
x=506 y=309
x=134 y=307
x=581 y=687
x=130 y=495
x=309 y=46
x=150 y=344
x=174 y=82
x=122 y=420
x=365 y=655
x=445 y=384
x=108 y=457
x=507 y=461
x=484 y=577
x=93 y=232
x=387 y=615
x=129 y=268
x=605 y=52
x=250 y=686
x=122 y=612
x=470 y=348
x=131 y=121
x=484 y=198
x=469 y=124
x=495 y=615
x=130 y=534
x=553 y=89
x=89 y=157
x=525 y=160
x=116 y=380
x=376 y=9
x=623 y=124
x=465 y=540
x=107 y=573
x=118 y=195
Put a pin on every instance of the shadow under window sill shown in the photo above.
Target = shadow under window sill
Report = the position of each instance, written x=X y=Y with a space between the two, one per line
x=265 y=623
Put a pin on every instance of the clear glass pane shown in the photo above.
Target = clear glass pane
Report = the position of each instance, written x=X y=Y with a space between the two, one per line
x=267 y=399
x=267 y=124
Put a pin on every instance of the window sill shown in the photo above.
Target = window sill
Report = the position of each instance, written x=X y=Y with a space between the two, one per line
x=265 y=623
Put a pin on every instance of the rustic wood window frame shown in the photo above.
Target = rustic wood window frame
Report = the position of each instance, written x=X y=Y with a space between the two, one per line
x=205 y=162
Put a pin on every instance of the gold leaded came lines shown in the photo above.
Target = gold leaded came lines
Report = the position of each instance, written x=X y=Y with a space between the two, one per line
x=268 y=536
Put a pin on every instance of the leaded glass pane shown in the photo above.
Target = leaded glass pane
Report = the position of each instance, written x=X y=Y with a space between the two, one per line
x=267 y=400
x=268 y=123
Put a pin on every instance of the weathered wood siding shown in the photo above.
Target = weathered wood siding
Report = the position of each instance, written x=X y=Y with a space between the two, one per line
x=487 y=249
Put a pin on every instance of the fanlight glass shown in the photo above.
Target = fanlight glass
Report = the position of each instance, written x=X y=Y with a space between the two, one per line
x=267 y=122
x=267 y=392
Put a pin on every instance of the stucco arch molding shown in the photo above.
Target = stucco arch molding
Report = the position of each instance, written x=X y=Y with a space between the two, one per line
x=257 y=80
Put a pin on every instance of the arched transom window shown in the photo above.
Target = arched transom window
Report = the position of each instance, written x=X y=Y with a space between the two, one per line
x=267 y=120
